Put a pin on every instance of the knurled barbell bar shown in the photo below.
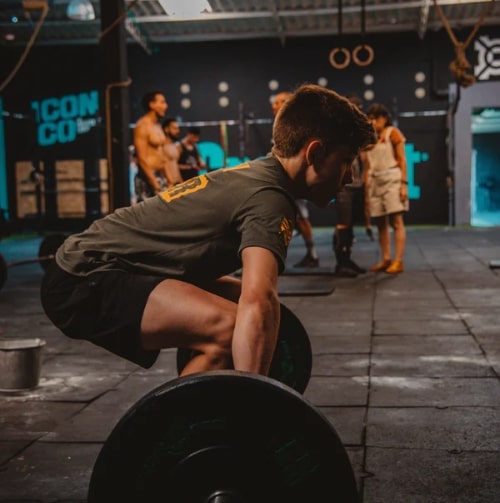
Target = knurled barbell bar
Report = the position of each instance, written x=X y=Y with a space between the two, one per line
x=223 y=437
x=292 y=360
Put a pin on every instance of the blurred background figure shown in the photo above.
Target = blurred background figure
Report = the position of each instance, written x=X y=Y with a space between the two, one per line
x=172 y=148
x=347 y=204
x=386 y=179
x=153 y=174
x=190 y=161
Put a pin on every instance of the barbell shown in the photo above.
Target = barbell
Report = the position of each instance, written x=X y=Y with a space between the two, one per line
x=46 y=252
x=292 y=360
x=223 y=437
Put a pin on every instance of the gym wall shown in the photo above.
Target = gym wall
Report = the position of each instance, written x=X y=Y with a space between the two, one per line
x=225 y=81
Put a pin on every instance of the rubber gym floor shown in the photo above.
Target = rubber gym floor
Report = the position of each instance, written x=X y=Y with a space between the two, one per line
x=406 y=368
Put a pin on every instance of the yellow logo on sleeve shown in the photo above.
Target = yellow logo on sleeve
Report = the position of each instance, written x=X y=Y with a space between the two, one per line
x=188 y=187
x=286 y=229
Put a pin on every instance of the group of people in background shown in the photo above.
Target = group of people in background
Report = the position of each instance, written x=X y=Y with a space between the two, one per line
x=375 y=188
x=163 y=159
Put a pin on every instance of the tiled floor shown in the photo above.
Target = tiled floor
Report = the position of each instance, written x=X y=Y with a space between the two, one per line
x=406 y=368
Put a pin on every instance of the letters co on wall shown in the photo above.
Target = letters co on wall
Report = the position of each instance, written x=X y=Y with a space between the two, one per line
x=68 y=137
x=61 y=120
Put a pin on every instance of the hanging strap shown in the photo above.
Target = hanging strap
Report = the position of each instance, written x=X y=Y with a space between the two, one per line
x=339 y=50
x=365 y=48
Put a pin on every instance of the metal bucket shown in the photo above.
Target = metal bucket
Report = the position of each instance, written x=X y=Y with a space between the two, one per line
x=20 y=363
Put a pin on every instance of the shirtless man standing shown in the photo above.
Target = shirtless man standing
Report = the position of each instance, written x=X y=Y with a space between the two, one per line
x=155 y=171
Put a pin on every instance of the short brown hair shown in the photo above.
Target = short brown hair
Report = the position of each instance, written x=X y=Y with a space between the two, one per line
x=316 y=112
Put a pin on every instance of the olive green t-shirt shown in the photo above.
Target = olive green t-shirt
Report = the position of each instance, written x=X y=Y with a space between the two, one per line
x=195 y=230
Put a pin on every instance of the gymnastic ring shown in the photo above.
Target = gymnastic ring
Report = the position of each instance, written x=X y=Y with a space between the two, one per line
x=346 y=54
x=359 y=48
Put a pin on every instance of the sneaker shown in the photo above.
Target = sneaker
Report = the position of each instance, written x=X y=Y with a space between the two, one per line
x=396 y=267
x=308 y=261
x=381 y=266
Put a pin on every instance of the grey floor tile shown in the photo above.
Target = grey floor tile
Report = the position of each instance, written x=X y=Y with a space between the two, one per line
x=49 y=472
x=430 y=364
x=72 y=388
x=431 y=476
x=457 y=280
x=417 y=291
x=335 y=391
x=494 y=360
x=133 y=388
x=423 y=326
x=434 y=313
x=340 y=365
x=337 y=313
x=65 y=365
x=340 y=344
x=478 y=297
x=9 y=449
x=459 y=428
x=356 y=325
x=348 y=422
x=482 y=322
x=489 y=342
x=457 y=345
x=437 y=392
x=20 y=420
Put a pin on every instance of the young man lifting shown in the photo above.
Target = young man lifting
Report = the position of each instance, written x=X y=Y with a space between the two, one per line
x=155 y=275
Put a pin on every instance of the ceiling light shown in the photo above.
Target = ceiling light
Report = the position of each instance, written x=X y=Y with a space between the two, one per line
x=80 y=10
x=183 y=9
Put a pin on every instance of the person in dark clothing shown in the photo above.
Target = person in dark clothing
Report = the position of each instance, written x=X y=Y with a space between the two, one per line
x=343 y=236
x=190 y=161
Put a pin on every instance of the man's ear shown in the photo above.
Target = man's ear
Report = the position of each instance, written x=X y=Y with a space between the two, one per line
x=313 y=151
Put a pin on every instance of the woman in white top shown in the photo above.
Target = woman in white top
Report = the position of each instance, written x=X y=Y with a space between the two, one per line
x=387 y=187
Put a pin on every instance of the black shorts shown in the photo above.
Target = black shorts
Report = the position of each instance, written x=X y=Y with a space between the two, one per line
x=104 y=308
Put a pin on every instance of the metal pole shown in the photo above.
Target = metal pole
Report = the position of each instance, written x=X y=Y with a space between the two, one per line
x=115 y=72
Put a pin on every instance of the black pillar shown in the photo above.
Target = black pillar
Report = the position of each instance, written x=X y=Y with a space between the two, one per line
x=116 y=100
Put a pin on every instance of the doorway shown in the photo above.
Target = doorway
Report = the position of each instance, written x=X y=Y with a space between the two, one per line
x=485 y=173
x=475 y=155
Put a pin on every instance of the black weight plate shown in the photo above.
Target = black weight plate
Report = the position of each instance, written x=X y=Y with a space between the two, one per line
x=292 y=360
x=243 y=435
x=48 y=248
x=3 y=271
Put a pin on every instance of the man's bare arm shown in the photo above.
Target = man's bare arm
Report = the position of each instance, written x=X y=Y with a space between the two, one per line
x=258 y=316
